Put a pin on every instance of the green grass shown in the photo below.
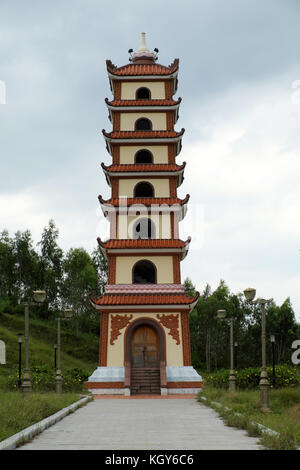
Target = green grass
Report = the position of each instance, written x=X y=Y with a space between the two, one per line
x=244 y=411
x=18 y=412
x=76 y=352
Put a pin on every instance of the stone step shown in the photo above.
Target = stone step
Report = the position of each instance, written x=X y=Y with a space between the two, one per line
x=145 y=380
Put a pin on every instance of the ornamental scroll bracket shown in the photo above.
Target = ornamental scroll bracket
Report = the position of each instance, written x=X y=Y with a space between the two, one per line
x=117 y=323
x=172 y=323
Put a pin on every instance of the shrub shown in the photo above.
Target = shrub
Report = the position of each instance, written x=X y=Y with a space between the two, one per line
x=4 y=303
x=11 y=305
x=44 y=379
x=286 y=376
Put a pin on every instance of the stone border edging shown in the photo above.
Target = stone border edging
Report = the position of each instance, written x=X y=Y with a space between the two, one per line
x=260 y=426
x=28 y=433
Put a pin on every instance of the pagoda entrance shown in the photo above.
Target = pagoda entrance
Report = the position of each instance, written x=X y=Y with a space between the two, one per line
x=145 y=350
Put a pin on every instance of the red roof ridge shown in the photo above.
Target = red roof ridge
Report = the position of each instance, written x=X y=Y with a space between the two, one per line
x=135 y=167
x=145 y=200
x=163 y=242
x=145 y=299
x=149 y=102
x=142 y=134
x=142 y=69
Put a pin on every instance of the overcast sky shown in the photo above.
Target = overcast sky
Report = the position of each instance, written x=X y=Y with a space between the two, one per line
x=240 y=84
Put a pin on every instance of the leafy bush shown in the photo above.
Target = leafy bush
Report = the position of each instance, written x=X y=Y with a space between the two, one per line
x=286 y=376
x=4 y=303
x=44 y=379
x=11 y=305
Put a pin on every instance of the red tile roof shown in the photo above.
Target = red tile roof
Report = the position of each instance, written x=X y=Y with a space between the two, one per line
x=143 y=243
x=137 y=167
x=117 y=103
x=142 y=134
x=147 y=201
x=142 y=69
x=144 y=299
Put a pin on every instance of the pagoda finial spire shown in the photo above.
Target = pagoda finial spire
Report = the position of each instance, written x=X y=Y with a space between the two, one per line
x=143 y=55
x=143 y=46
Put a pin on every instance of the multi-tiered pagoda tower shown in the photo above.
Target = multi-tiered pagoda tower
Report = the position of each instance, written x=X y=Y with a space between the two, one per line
x=144 y=334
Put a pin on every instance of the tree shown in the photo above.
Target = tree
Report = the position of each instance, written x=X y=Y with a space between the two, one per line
x=189 y=287
x=101 y=265
x=8 y=274
x=51 y=265
x=208 y=336
x=282 y=323
x=80 y=279
x=26 y=265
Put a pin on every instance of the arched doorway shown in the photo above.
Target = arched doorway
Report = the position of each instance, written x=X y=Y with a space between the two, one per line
x=145 y=347
x=144 y=356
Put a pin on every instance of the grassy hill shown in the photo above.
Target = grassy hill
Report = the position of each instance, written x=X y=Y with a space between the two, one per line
x=76 y=351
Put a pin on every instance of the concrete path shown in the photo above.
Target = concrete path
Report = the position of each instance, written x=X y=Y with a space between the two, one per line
x=142 y=424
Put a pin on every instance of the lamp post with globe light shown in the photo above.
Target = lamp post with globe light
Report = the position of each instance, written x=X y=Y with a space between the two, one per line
x=263 y=383
x=236 y=354
x=39 y=297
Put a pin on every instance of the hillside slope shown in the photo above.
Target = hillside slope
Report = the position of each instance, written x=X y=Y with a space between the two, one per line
x=76 y=352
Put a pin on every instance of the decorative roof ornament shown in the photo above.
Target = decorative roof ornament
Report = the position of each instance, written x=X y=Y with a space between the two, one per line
x=143 y=55
x=143 y=46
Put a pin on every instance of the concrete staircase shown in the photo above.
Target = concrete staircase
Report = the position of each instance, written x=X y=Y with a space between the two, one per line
x=145 y=380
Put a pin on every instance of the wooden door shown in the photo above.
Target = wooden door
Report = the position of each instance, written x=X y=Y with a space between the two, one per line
x=144 y=347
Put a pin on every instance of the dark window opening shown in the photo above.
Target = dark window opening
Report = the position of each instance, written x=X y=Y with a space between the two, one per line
x=143 y=93
x=144 y=272
x=143 y=124
x=143 y=189
x=143 y=156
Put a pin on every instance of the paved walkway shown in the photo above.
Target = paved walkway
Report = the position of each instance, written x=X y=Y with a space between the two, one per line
x=142 y=424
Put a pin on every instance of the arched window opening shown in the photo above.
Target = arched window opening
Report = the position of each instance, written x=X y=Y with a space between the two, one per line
x=143 y=228
x=144 y=272
x=143 y=124
x=143 y=189
x=143 y=156
x=143 y=93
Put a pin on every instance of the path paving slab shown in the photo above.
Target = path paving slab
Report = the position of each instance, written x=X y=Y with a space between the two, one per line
x=142 y=424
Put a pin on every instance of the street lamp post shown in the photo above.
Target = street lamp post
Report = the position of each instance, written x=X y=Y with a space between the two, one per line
x=272 y=337
x=68 y=315
x=55 y=350
x=26 y=385
x=20 y=341
x=236 y=354
x=39 y=297
x=58 y=370
x=263 y=383
x=232 y=379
